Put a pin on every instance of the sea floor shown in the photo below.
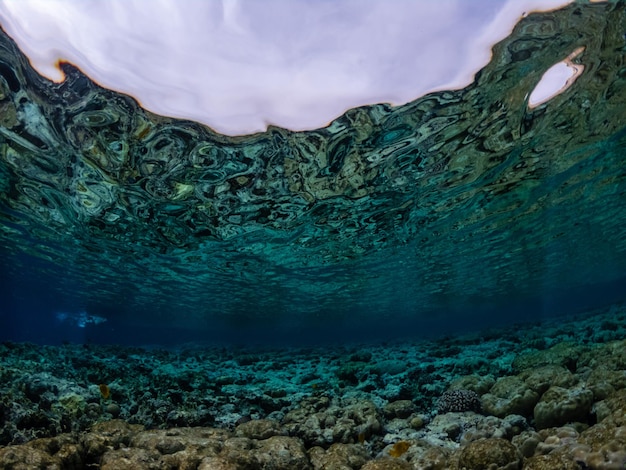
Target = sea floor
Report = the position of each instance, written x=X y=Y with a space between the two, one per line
x=550 y=395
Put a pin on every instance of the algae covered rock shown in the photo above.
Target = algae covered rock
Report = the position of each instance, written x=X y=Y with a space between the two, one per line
x=551 y=462
x=564 y=354
x=560 y=405
x=353 y=372
x=130 y=458
x=390 y=367
x=282 y=453
x=491 y=426
x=612 y=408
x=555 y=439
x=387 y=463
x=259 y=429
x=542 y=378
x=73 y=404
x=510 y=395
x=423 y=455
x=362 y=417
x=477 y=383
x=606 y=447
x=342 y=422
x=49 y=453
x=339 y=457
x=399 y=409
x=490 y=454
x=241 y=451
x=107 y=435
x=450 y=425
x=604 y=382
x=612 y=356
x=217 y=463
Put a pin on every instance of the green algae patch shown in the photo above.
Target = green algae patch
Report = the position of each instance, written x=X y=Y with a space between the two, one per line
x=72 y=404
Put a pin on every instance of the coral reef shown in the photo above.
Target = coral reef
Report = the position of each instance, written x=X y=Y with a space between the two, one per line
x=209 y=408
x=459 y=400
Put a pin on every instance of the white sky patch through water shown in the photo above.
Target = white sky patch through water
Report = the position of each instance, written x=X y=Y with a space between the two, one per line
x=240 y=65
x=556 y=80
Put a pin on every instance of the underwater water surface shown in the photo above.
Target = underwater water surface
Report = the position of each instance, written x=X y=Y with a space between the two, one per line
x=462 y=209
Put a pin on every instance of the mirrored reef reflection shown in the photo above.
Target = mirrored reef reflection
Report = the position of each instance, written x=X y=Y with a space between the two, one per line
x=457 y=200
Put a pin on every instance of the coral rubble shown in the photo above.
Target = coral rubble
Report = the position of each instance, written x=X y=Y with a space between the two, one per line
x=198 y=407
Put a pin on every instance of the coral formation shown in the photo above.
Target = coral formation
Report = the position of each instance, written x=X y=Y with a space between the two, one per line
x=490 y=454
x=86 y=170
x=459 y=400
x=560 y=405
x=509 y=395
x=200 y=407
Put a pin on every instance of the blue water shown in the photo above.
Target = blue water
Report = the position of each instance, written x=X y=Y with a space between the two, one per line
x=459 y=211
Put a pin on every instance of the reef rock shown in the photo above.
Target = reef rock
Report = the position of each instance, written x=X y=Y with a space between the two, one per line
x=560 y=405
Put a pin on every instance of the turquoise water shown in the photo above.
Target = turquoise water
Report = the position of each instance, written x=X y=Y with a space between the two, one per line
x=462 y=209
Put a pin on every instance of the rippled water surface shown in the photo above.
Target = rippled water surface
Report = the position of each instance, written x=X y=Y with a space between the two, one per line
x=457 y=202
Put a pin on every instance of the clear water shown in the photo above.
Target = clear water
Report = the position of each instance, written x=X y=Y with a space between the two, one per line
x=463 y=209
